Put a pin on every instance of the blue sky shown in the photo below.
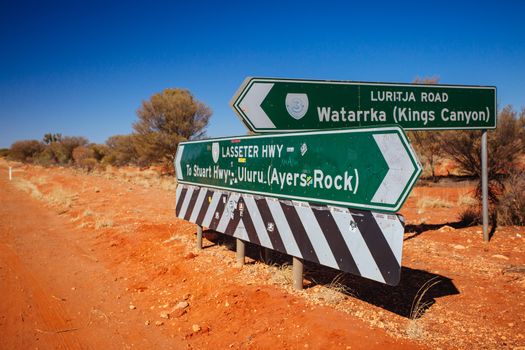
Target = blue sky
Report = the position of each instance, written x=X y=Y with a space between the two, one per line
x=82 y=68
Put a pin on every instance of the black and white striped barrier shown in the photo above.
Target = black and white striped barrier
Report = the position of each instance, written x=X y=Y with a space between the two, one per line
x=364 y=243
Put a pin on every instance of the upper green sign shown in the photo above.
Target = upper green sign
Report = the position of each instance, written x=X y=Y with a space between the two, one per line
x=359 y=168
x=271 y=105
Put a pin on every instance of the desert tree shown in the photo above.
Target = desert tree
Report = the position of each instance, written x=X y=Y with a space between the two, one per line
x=505 y=145
x=49 y=138
x=62 y=151
x=25 y=150
x=121 y=150
x=167 y=118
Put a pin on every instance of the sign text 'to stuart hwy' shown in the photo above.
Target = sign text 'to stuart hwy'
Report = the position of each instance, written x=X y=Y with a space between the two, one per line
x=372 y=169
x=272 y=105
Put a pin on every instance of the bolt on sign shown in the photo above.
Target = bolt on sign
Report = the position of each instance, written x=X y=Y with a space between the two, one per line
x=365 y=243
x=371 y=169
x=283 y=105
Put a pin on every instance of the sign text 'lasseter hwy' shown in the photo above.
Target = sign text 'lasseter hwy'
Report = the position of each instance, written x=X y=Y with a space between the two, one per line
x=372 y=169
x=271 y=105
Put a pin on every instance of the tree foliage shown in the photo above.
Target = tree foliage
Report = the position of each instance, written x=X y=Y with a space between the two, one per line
x=49 y=138
x=25 y=150
x=121 y=150
x=167 y=118
x=504 y=146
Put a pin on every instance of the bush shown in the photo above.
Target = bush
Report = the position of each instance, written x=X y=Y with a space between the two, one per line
x=85 y=157
x=25 y=151
x=4 y=152
x=511 y=208
x=121 y=150
x=504 y=145
x=470 y=216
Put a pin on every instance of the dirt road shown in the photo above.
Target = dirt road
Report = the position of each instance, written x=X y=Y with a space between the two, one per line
x=89 y=262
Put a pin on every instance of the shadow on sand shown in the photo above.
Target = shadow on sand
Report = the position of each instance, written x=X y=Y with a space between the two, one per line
x=398 y=299
x=416 y=230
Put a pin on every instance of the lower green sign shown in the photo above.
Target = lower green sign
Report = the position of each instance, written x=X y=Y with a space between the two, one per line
x=360 y=168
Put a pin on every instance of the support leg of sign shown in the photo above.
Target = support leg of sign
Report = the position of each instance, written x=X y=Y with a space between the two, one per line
x=484 y=186
x=199 y=237
x=240 y=252
x=267 y=255
x=297 y=271
x=10 y=173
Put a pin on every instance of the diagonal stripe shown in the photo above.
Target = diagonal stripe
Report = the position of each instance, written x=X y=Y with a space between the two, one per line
x=186 y=201
x=335 y=239
x=378 y=246
x=356 y=244
x=266 y=216
x=248 y=224
x=298 y=231
x=314 y=232
x=177 y=194
x=234 y=220
x=240 y=232
x=180 y=200
x=191 y=205
x=211 y=210
x=219 y=211
x=204 y=208
x=229 y=211
x=393 y=230
x=281 y=225
x=257 y=221
x=198 y=205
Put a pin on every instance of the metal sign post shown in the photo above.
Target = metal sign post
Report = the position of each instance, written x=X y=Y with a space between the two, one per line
x=484 y=186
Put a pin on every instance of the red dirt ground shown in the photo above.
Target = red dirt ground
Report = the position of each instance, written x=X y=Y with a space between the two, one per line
x=100 y=261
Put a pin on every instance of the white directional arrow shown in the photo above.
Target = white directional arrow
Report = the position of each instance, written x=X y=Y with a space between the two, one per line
x=247 y=102
x=371 y=169
x=251 y=105
x=178 y=157
x=400 y=168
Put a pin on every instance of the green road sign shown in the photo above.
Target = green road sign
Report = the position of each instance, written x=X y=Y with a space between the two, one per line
x=276 y=105
x=360 y=168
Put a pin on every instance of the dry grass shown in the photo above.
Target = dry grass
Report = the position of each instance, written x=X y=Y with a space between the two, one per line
x=58 y=197
x=102 y=222
x=333 y=293
x=28 y=187
x=61 y=198
x=40 y=180
x=467 y=201
x=429 y=202
x=419 y=307
x=281 y=274
x=148 y=178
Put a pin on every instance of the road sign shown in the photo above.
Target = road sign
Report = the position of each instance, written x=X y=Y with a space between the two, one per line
x=283 y=105
x=372 y=169
x=364 y=243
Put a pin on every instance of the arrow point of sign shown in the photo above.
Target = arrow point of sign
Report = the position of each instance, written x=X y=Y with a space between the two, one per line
x=250 y=105
x=400 y=169
x=178 y=157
